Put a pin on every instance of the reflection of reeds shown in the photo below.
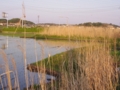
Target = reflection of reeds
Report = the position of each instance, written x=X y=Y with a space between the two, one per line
x=4 y=56
x=23 y=49
x=6 y=80
x=16 y=74
x=43 y=75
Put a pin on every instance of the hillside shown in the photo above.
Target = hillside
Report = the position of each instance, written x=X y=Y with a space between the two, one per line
x=97 y=24
x=2 y=20
x=15 y=20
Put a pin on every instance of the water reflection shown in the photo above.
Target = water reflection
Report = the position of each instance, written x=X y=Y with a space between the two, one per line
x=35 y=50
x=65 y=44
x=4 y=46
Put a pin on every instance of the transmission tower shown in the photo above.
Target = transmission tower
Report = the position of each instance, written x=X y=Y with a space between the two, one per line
x=38 y=19
x=23 y=14
x=5 y=15
x=66 y=19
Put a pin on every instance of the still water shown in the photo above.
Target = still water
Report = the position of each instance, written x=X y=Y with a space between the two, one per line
x=14 y=47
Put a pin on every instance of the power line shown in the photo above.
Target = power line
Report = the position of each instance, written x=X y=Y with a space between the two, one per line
x=115 y=6
x=67 y=9
x=89 y=10
x=74 y=11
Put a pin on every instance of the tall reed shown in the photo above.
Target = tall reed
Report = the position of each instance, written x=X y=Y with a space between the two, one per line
x=80 y=31
x=86 y=68
x=89 y=68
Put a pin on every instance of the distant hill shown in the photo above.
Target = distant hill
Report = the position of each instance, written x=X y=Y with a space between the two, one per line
x=51 y=24
x=3 y=20
x=97 y=24
x=15 y=20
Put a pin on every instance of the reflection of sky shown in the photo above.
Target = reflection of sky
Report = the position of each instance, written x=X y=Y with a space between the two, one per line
x=42 y=51
x=77 y=11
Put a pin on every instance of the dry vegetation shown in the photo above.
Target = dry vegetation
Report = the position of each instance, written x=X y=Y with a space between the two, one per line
x=81 y=31
x=90 y=68
x=87 y=68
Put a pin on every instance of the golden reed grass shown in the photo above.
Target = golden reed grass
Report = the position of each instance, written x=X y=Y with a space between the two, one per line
x=81 y=31
x=95 y=69
x=89 y=68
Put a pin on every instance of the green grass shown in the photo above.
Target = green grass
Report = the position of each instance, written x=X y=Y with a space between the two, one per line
x=117 y=53
x=52 y=37
x=73 y=38
x=29 y=35
x=20 y=29
x=59 y=61
x=55 y=62
x=75 y=62
x=48 y=62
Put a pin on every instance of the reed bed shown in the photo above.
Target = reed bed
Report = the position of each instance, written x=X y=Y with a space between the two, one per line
x=81 y=31
x=87 y=68
x=90 y=68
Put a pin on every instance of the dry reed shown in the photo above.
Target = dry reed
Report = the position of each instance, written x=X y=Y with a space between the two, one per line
x=89 y=68
x=81 y=31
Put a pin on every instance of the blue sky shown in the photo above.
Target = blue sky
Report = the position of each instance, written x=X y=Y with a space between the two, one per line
x=64 y=11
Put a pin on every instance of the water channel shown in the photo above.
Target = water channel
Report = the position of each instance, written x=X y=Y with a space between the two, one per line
x=35 y=50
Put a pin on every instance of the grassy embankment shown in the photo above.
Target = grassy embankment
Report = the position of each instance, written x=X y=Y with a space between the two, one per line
x=88 y=68
x=21 y=32
x=61 y=32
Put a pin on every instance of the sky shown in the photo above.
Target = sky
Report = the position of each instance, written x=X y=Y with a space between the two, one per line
x=63 y=11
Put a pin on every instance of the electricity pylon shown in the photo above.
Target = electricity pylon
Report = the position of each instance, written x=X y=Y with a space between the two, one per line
x=23 y=12
x=5 y=15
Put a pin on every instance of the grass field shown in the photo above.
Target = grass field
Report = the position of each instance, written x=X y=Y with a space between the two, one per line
x=21 y=32
x=20 y=29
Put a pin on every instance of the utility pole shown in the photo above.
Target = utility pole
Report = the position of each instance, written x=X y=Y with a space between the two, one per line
x=23 y=14
x=66 y=19
x=59 y=20
x=24 y=46
x=38 y=19
x=5 y=15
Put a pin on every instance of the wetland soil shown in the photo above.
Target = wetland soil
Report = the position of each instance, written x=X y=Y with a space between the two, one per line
x=34 y=68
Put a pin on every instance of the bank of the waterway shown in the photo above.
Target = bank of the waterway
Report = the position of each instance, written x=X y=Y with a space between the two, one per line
x=35 y=50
